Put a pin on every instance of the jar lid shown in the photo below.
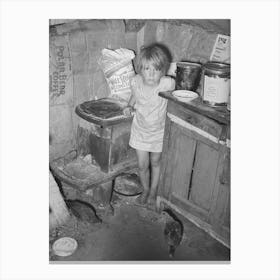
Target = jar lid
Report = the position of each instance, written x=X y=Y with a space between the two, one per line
x=188 y=63
x=217 y=67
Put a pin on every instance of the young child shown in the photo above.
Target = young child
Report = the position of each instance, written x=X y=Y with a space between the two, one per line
x=147 y=127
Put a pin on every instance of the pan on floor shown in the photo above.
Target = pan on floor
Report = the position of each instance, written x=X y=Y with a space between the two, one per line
x=128 y=184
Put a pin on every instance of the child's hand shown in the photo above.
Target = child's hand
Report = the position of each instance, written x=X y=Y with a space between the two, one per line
x=128 y=111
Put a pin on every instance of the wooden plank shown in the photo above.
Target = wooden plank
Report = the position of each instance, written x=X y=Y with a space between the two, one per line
x=188 y=206
x=204 y=175
x=221 y=115
x=95 y=177
x=226 y=222
x=217 y=186
x=196 y=134
x=189 y=128
x=220 y=210
x=173 y=162
x=163 y=189
x=206 y=124
x=221 y=207
x=181 y=161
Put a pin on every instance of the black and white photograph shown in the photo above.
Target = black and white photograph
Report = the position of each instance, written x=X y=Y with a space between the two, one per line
x=139 y=140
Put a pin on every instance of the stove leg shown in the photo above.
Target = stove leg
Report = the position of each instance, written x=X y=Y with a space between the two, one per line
x=107 y=188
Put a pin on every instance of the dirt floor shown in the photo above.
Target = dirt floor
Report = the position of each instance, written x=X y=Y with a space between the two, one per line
x=134 y=233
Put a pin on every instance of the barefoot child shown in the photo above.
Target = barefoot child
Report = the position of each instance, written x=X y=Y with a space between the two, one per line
x=147 y=127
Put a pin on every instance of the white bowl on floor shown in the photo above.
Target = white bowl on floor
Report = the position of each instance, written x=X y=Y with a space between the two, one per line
x=65 y=246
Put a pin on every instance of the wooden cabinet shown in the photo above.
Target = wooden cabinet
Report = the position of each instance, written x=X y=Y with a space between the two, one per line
x=195 y=174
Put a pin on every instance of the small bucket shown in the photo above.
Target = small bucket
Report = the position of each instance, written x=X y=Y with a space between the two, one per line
x=188 y=76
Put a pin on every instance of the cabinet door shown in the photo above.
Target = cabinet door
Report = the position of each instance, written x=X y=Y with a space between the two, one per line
x=204 y=176
x=191 y=170
x=180 y=159
x=220 y=212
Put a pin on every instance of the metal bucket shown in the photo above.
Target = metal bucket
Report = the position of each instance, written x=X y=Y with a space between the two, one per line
x=188 y=75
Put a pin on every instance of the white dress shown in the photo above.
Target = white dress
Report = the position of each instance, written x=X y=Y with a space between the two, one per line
x=147 y=127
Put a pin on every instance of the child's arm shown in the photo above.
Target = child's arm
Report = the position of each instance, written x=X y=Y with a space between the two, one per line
x=130 y=105
x=132 y=100
x=167 y=83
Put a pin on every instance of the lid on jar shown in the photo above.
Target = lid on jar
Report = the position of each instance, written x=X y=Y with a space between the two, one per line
x=217 y=67
x=188 y=63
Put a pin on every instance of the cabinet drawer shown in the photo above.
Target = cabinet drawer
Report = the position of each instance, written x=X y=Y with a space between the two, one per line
x=206 y=124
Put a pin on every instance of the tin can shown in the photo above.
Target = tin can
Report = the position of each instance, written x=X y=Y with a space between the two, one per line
x=188 y=75
x=216 y=83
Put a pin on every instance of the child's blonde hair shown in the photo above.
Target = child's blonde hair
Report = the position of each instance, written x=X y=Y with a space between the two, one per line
x=156 y=53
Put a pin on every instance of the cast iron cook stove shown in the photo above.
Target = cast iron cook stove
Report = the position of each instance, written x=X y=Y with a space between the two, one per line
x=102 y=153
